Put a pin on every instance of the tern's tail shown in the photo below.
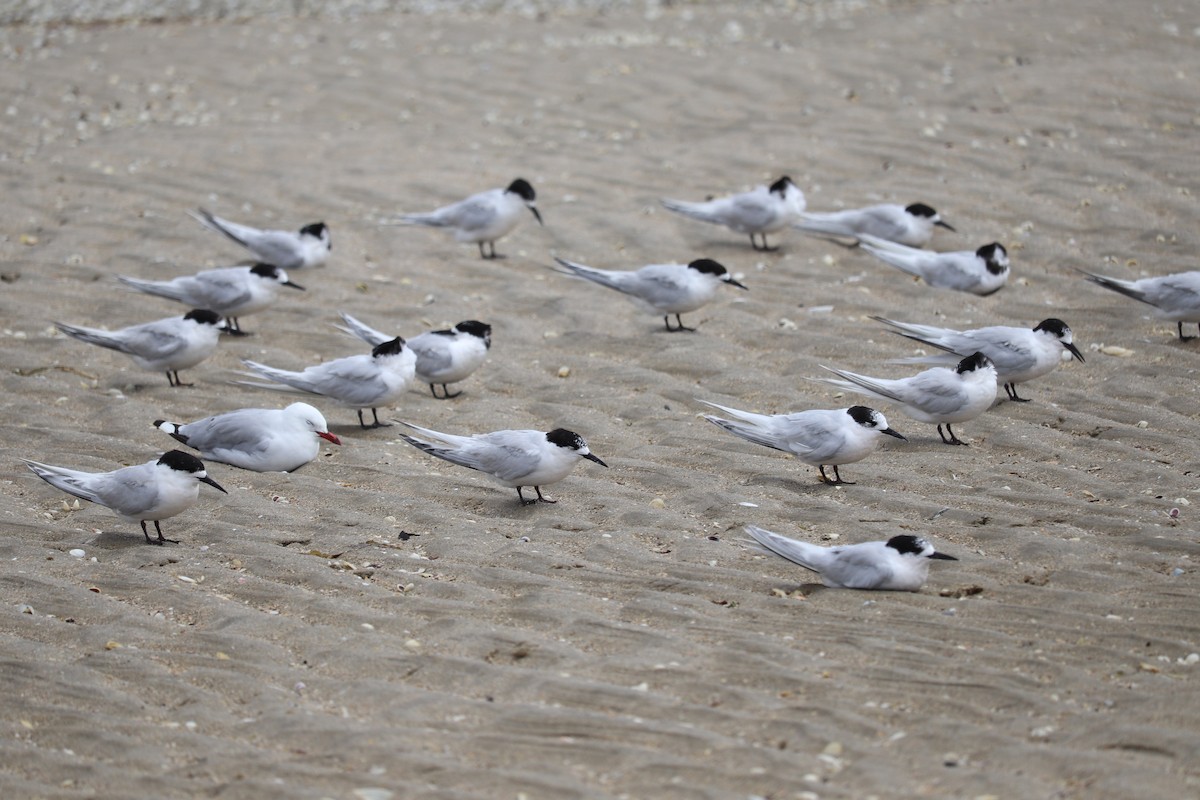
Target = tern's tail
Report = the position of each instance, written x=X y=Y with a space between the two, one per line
x=1126 y=288
x=92 y=336
x=69 y=480
x=748 y=431
x=433 y=220
x=698 y=211
x=824 y=225
x=283 y=380
x=861 y=384
x=600 y=276
x=368 y=334
x=156 y=288
x=215 y=223
x=802 y=553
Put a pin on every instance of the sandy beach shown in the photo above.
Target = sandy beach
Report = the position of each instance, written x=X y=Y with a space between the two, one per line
x=381 y=625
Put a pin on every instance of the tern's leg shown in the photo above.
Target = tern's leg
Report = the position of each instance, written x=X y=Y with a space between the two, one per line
x=176 y=381
x=538 y=489
x=1183 y=338
x=953 y=439
x=233 y=328
x=445 y=392
x=681 y=326
x=161 y=539
x=521 y=497
x=837 y=477
x=1011 y=390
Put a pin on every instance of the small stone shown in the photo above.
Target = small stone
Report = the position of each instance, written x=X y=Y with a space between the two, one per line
x=77 y=552
x=658 y=502
x=1143 y=423
x=564 y=372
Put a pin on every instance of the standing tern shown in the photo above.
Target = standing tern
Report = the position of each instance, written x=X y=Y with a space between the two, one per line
x=1019 y=354
x=763 y=210
x=661 y=288
x=937 y=396
x=900 y=564
x=818 y=437
x=358 y=382
x=231 y=292
x=483 y=218
x=443 y=356
x=982 y=272
x=308 y=247
x=515 y=458
x=149 y=492
x=257 y=439
x=1175 y=298
x=910 y=225
x=165 y=345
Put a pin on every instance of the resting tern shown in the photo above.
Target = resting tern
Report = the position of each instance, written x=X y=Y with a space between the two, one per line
x=982 y=272
x=443 y=356
x=308 y=247
x=483 y=218
x=662 y=288
x=149 y=492
x=165 y=345
x=900 y=564
x=514 y=458
x=910 y=225
x=818 y=437
x=763 y=210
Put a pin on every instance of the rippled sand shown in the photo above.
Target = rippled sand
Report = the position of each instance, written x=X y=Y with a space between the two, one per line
x=384 y=625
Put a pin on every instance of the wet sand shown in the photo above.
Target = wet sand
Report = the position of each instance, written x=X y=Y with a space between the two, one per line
x=384 y=625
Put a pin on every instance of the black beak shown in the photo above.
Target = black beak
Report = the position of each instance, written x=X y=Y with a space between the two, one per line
x=293 y=285
x=891 y=432
x=945 y=225
x=1074 y=350
x=942 y=557
x=537 y=214
x=733 y=282
x=591 y=457
x=213 y=483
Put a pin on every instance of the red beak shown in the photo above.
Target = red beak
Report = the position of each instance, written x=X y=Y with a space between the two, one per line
x=329 y=437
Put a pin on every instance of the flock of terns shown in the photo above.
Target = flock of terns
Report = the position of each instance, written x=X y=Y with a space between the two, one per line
x=966 y=369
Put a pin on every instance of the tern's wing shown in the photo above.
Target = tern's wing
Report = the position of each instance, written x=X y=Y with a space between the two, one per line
x=809 y=556
x=433 y=352
x=1174 y=293
x=154 y=341
x=508 y=455
x=474 y=213
x=857 y=567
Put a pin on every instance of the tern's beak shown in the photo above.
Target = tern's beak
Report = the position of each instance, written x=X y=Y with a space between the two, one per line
x=945 y=225
x=734 y=282
x=293 y=285
x=591 y=457
x=212 y=483
x=537 y=214
x=942 y=557
x=1074 y=350
x=891 y=432
x=329 y=437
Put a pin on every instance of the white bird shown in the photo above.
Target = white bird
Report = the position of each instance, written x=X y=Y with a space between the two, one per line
x=900 y=564
x=818 y=437
x=1174 y=297
x=514 y=458
x=149 y=492
x=661 y=288
x=358 y=382
x=308 y=247
x=1020 y=354
x=482 y=218
x=763 y=210
x=231 y=292
x=910 y=225
x=165 y=345
x=443 y=357
x=982 y=272
x=257 y=439
x=937 y=396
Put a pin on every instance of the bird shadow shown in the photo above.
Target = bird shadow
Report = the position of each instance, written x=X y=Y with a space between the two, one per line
x=789 y=484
